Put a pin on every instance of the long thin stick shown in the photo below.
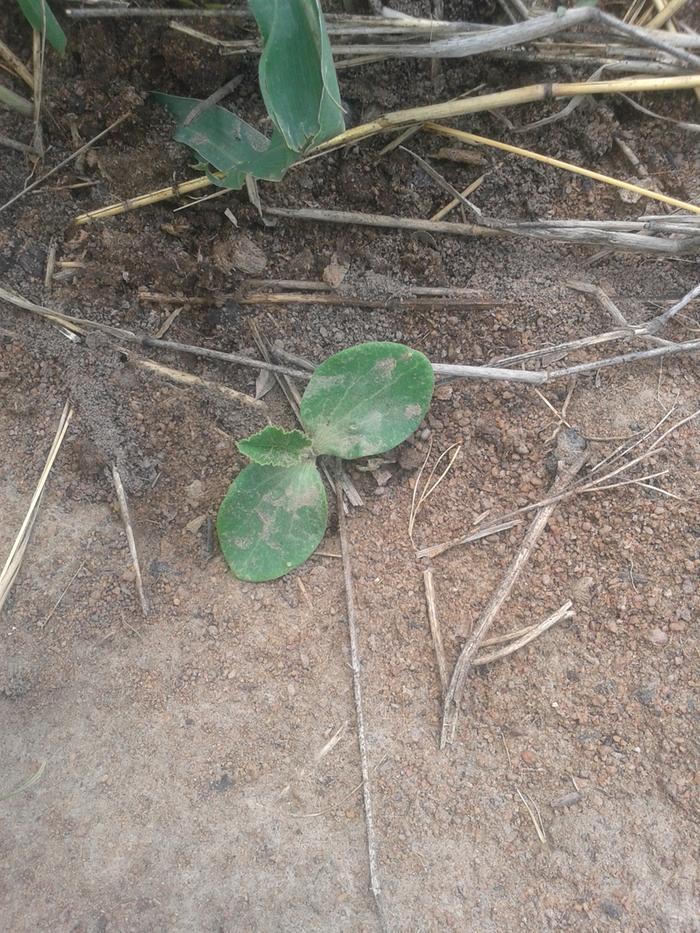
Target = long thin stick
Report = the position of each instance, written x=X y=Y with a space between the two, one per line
x=38 y=50
x=357 y=689
x=658 y=322
x=534 y=631
x=564 y=232
x=662 y=17
x=499 y=99
x=189 y=379
x=558 y=163
x=435 y=630
x=124 y=509
x=64 y=162
x=464 y=298
x=572 y=453
x=458 y=371
x=19 y=546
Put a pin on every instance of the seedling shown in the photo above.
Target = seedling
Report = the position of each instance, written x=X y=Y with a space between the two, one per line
x=360 y=402
x=300 y=90
x=39 y=15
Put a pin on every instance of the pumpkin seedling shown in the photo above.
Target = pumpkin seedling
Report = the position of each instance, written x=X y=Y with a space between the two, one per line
x=358 y=403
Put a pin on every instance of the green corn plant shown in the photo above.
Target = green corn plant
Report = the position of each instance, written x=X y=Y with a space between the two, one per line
x=299 y=88
x=40 y=18
x=358 y=403
x=39 y=15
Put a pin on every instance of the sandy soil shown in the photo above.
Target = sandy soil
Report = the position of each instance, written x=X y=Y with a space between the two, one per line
x=184 y=786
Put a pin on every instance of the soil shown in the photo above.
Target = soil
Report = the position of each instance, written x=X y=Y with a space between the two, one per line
x=185 y=785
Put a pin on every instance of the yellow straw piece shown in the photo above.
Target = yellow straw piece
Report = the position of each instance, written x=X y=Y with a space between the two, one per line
x=557 y=163
x=671 y=8
x=143 y=200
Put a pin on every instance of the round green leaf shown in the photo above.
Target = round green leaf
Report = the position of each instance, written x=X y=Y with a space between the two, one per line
x=275 y=447
x=272 y=518
x=366 y=399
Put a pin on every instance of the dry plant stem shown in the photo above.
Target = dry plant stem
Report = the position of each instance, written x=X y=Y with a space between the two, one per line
x=453 y=370
x=663 y=16
x=538 y=27
x=534 y=816
x=558 y=163
x=423 y=297
x=213 y=99
x=565 y=231
x=26 y=783
x=577 y=488
x=682 y=124
x=435 y=631
x=189 y=379
x=474 y=536
x=14 y=144
x=19 y=546
x=455 y=202
x=16 y=102
x=124 y=509
x=64 y=162
x=633 y=330
x=16 y=65
x=399 y=119
x=224 y=356
x=357 y=689
x=50 y=263
x=534 y=631
x=573 y=454
x=662 y=319
x=38 y=48
x=499 y=99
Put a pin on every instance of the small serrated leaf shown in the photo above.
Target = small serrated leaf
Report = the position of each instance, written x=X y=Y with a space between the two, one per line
x=366 y=399
x=274 y=446
x=271 y=520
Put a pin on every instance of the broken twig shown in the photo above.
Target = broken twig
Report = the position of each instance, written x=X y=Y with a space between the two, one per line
x=124 y=509
x=572 y=455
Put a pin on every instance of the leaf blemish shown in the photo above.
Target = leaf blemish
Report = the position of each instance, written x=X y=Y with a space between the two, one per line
x=386 y=366
x=411 y=411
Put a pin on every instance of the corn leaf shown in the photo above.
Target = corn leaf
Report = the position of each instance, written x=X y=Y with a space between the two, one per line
x=228 y=143
x=297 y=75
x=40 y=17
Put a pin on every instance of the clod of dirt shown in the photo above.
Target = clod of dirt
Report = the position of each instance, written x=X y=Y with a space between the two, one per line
x=335 y=271
x=238 y=253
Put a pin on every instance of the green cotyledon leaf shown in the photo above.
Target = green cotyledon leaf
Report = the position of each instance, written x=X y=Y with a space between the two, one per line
x=275 y=447
x=271 y=519
x=366 y=399
x=228 y=143
x=296 y=72
x=39 y=15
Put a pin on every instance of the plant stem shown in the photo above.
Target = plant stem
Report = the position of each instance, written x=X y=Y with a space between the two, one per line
x=15 y=101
